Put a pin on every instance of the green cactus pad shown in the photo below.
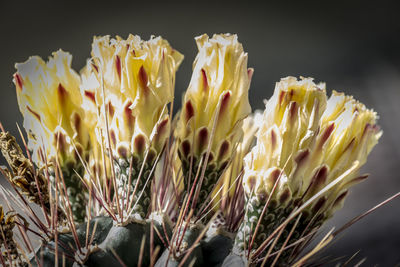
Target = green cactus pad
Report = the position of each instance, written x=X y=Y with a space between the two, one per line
x=234 y=260
x=108 y=240
x=216 y=248
x=196 y=256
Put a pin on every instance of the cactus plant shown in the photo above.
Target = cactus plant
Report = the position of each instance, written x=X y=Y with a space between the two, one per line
x=118 y=181
x=305 y=143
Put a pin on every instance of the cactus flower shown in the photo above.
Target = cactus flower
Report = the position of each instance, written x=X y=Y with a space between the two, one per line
x=214 y=105
x=305 y=142
x=128 y=84
x=138 y=79
x=49 y=99
x=50 y=102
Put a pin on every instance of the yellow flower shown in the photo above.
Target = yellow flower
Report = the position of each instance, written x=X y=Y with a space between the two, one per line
x=309 y=141
x=217 y=95
x=49 y=99
x=138 y=79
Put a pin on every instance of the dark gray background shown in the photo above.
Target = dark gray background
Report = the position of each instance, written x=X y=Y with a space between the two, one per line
x=352 y=46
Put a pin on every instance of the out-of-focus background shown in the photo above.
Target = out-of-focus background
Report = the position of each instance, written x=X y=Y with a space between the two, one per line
x=352 y=46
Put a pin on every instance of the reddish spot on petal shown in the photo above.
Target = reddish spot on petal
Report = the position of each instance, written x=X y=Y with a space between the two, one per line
x=118 y=66
x=33 y=113
x=122 y=152
x=185 y=147
x=273 y=139
x=143 y=79
x=223 y=150
x=139 y=144
x=129 y=118
x=62 y=94
x=224 y=102
x=301 y=157
x=292 y=109
x=202 y=138
x=291 y=94
x=60 y=141
x=91 y=96
x=210 y=158
x=275 y=175
x=281 y=96
x=110 y=109
x=319 y=205
x=340 y=198
x=95 y=67
x=18 y=80
x=320 y=177
x=205 y=82
x=162 y=126
x=284 y=196
x=189 y=110
x=113 y=137
x=250 y=72
x=77 y=123
x=325 y=135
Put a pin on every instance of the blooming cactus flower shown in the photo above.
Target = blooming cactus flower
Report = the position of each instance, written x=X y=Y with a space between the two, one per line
x=49 y=99
x=128 y=85
x=309 y=141
x=306 y=142
x=137 y=78
x=215 y=102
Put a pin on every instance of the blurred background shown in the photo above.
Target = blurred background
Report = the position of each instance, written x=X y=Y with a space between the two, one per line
x=352 y=46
